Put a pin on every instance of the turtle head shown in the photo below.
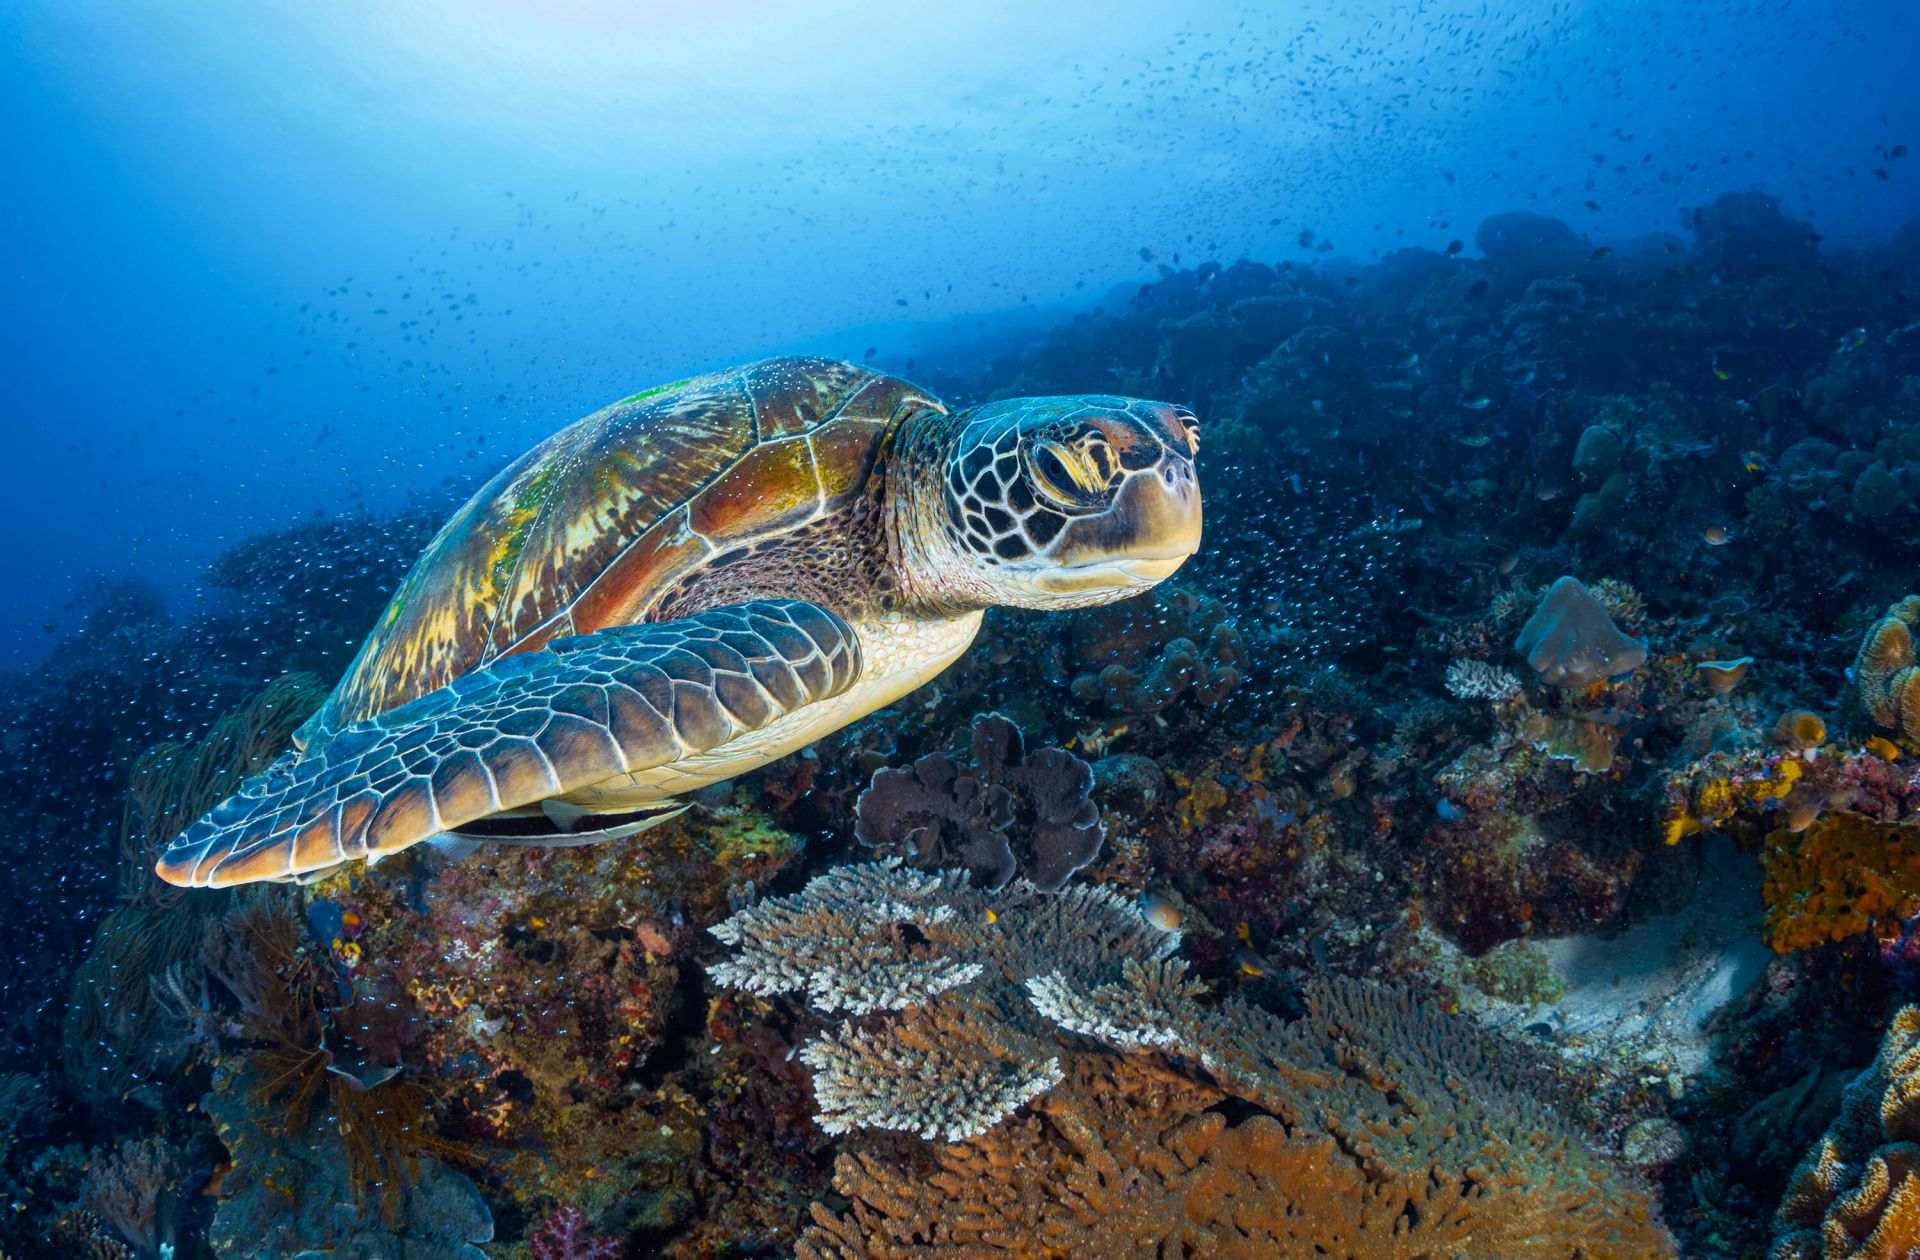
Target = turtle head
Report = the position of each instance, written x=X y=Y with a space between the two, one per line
x=1064 y=502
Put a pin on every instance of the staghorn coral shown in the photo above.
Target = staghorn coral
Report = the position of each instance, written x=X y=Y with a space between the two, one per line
x=1844 y=875
x=133 y=1189
x=1477 y=680
x=1856 y=1194
x=939 y=816
x=1571 y=641
x=1886 y=684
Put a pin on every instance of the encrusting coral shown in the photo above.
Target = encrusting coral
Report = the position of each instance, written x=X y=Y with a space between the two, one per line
x=999 y=994
x=939 y=815
x=1856 y=1194
x=1571 y=641
x=1844 y=875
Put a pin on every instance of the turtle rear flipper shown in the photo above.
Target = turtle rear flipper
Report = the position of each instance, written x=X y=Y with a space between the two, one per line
x=528 y=728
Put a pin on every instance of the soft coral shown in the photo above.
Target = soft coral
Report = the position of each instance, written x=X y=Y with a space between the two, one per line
x=563 y=1236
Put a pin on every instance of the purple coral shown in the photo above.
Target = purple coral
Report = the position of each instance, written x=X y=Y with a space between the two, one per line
x=941 y=816
x=1571 y=641
x=563 y=1236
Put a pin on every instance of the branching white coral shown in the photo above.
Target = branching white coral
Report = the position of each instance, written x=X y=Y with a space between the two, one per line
x=1477 y=680
x=948 y=1086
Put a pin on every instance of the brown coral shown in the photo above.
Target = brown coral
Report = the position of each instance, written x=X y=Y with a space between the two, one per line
x=133 y=1189
x=1856 y=1194
x=1144 y=656
x=940 y=815
x=1130 y=1158
x=1408 y=1130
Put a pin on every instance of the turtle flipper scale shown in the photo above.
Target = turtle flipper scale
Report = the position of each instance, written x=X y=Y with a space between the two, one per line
x=533 y=726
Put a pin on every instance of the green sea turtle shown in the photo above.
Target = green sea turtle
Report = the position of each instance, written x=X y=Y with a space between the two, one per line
x=689 y=584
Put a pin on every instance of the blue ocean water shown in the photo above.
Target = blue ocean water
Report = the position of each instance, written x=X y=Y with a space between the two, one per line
x=1498 y=828
x=262 y=266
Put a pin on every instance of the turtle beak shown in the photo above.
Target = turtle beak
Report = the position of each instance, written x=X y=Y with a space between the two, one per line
x=1149 y=531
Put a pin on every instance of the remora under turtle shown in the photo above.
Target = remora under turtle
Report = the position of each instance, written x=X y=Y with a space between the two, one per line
x=691 y=583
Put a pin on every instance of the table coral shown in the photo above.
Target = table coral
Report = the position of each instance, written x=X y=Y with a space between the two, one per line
x=1856 y=1194
x=1129 y=1157
x=964 y=1048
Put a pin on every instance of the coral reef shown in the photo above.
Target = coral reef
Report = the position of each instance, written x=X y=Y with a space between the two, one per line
x=1313 y=755
x=1138 y=661
x=111 y=1037
x=1408 y=1098
x=938 y=816
x=291 y=1192
x=1129 y=1158
x=1477 y=680
x=1855 y=1194
x=564 y=1236
x=965 y=1048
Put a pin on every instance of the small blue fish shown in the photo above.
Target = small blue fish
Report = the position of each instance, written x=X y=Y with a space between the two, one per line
x=1448 y=811
x=1479 y=402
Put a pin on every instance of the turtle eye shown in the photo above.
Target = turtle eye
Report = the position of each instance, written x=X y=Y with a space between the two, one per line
x=1190 y=425
x=1065 y=475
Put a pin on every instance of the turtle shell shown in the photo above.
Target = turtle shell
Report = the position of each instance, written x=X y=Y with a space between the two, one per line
x=591 y=526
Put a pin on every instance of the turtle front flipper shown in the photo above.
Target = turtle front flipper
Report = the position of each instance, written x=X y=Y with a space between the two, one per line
x=528 y=728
